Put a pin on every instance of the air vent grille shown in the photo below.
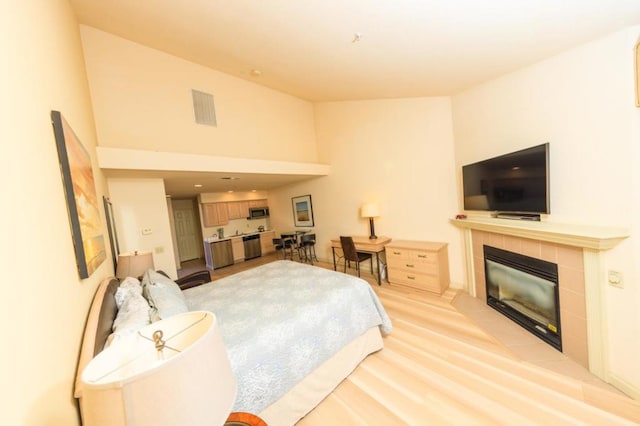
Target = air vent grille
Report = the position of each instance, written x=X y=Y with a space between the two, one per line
x=204 y=108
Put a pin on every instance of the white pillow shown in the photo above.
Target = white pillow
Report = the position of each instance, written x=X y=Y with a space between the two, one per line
x=164 y=296
x=133 y=314
x=126 y=287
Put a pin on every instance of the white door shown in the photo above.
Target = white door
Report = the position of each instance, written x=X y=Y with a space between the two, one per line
x=186 y=234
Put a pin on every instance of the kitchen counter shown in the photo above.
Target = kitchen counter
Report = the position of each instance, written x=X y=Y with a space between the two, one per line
x=230 y=237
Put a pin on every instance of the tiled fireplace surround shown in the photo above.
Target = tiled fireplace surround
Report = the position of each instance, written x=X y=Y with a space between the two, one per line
x=579 y=253
x=573 y=315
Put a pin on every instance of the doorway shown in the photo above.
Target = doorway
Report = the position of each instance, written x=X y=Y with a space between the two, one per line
x=188 y=232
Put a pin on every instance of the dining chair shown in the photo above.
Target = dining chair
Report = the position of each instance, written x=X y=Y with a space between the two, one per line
x=352 y=255
x=308 y=247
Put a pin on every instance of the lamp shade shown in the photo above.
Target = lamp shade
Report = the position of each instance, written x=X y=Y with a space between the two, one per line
x=370 y=210
x=193 y=384
x=134 y=264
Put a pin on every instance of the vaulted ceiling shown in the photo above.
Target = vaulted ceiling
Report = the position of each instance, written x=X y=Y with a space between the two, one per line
x=328 y=50
x=332 y=50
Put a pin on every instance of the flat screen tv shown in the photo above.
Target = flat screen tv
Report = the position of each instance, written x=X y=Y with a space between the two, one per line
x=511 y=184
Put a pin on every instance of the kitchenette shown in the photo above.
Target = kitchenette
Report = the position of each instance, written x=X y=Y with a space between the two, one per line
x=235 y=228
x=225 y=251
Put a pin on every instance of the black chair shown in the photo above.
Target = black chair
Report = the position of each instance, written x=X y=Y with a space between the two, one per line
x=308 y=247
x=352 y=255
x=291 y=241
x=284 y=245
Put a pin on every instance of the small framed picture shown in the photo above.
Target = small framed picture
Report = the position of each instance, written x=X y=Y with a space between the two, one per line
x=302 y=210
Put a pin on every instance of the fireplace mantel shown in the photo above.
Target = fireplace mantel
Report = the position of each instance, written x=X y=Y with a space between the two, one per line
x=593 y=241
x=590 y=237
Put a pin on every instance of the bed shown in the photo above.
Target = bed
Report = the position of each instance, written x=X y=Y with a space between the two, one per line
x=292 y=331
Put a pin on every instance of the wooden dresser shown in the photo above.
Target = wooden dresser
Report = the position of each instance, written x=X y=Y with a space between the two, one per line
x=420 y=265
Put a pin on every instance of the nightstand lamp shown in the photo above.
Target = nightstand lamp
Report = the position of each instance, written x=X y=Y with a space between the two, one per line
x=134 y=264
x=370 y=210
x=172 y=372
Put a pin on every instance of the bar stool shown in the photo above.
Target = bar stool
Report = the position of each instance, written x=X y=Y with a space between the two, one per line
x=308 y=246
x=283 y=245
x=290 y=239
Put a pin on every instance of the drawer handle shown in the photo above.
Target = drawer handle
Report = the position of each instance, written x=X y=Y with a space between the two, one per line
x=397 y=252
x=409 y=277
x=410 y=265
x=423 y=256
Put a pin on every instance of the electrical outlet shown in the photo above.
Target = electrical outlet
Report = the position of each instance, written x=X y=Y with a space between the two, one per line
x=159 y=250
x=615 y=279
x=146 y=231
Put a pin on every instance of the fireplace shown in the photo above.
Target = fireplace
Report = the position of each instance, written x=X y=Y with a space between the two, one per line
x=524 y=289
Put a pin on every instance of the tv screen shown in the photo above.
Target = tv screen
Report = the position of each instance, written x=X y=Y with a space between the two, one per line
x=517 y=182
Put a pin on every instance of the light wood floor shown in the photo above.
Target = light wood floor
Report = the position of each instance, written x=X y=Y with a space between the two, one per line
x=439 y=366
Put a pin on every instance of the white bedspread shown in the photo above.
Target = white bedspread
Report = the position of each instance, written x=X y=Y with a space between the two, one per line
x=281 y=320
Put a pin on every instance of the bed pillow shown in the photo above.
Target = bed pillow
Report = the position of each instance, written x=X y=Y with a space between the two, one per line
x=133 y=313
x=127 y=286
x=164 y=296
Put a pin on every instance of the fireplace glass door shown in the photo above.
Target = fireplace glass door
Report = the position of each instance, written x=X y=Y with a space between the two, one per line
x=524 y=289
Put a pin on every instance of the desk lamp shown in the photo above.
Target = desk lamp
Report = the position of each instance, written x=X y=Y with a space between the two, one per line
x=370 y=210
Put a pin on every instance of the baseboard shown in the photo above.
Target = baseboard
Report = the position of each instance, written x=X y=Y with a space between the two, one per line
x=624 y=386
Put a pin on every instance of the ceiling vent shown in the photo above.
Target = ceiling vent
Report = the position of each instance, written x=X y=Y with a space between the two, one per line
x=204 y=108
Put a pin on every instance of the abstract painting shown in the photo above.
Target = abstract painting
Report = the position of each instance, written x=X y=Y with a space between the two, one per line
x=82 y=200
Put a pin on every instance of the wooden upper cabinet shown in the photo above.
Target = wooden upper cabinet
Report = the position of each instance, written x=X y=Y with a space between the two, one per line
x=238 y=209
x=215 y=214
x=258 y=203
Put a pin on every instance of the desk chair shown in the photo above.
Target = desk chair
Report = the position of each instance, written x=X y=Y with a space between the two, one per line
x=352 y=255
x=308 y=247
x=284 y=245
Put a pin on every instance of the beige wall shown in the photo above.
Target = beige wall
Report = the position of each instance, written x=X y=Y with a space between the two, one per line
x=397 y=152
x=44 y=303
x=141 y=204
x=582 y=103
x=142 y=100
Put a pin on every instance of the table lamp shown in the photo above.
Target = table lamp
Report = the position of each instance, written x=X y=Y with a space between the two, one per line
x=370 y=210
x=172 y=372
x=134 y=264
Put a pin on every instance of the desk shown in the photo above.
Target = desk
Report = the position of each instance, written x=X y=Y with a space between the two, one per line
x=366 y=245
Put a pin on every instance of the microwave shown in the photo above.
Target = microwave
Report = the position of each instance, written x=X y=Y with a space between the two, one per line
x=258 y=212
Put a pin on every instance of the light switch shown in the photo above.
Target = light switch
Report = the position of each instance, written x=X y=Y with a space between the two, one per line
x=146 y=231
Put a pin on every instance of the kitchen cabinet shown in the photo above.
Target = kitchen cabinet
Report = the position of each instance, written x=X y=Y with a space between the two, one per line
x=214 y=214
x=266 y=242
x=258 y=203
x=218 y=254
x=238 y=249
x=419 y=265
x=238 y=209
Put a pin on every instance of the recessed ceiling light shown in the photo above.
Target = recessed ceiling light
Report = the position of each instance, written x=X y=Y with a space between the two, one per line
x=230 y=191
x=256 y=73
x=253 y=190
x=198 y=185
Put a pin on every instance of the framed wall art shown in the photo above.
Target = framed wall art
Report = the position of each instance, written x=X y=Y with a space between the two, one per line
x=302 y=210
x=82 y=201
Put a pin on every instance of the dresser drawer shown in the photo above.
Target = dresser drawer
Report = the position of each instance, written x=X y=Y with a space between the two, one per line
x=413 y=264
x=415 y=280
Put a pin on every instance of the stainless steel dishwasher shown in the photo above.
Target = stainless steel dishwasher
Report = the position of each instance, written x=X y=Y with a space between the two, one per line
x=222 y=253
x=252 y=246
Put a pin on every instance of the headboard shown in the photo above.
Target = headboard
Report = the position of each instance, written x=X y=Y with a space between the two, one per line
x=98 y=327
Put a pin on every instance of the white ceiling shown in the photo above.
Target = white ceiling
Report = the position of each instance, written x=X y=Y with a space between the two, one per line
x=406 y=48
